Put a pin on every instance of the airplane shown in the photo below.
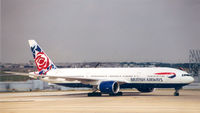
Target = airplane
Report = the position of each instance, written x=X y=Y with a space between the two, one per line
x=108 y=80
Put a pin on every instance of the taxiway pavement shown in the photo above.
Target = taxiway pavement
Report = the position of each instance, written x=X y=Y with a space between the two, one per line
x=159 y=101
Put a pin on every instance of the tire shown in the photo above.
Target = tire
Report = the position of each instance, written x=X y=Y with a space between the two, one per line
x=94 y=94
x=117 y=94
x=112 y=94
x=176 y=94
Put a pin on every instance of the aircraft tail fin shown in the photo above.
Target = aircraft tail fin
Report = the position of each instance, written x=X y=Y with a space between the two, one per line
x=42 y=61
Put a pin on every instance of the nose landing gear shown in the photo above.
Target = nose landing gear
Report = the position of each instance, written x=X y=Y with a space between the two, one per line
x=176 y=93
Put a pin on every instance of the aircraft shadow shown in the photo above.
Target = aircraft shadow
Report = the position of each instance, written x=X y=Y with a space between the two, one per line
x=106 y=95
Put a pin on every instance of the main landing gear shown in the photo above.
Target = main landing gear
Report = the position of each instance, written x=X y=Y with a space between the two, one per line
x=176 y=93
x=117 y=94
x=93 y=94
x=99 y=94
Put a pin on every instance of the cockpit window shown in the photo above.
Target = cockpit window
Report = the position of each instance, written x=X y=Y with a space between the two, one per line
x=186 y=75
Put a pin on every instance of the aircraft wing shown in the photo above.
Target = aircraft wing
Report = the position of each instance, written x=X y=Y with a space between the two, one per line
x=16 y=73
x=67 y=78
x=71 y=78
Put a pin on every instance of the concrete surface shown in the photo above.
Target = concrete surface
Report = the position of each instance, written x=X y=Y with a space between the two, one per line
x=160 y=101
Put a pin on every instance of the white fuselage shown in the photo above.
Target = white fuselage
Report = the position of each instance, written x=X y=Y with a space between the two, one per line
x=94 y=76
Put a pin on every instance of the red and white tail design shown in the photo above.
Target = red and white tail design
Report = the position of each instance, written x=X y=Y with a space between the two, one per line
x=42 y=61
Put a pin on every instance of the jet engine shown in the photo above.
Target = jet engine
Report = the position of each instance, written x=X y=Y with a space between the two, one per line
x=109 y=87
x=145 y=90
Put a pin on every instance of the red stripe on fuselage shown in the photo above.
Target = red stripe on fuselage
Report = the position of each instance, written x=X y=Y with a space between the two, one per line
x=166 y=73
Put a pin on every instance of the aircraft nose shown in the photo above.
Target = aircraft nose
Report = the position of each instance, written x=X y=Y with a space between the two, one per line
x=190 y=79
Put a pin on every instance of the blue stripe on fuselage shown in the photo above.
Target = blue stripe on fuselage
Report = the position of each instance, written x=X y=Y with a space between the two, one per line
x=128 y=85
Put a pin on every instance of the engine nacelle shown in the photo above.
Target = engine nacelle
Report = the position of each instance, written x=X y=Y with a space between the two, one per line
x=145 y=90
x=109 y=87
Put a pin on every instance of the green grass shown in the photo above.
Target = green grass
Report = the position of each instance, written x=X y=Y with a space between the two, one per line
x=14 y=78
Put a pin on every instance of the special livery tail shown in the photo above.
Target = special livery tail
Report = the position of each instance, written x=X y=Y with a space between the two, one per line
x=42 y=61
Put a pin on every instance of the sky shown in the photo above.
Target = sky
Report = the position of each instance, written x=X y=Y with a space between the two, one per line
x=100 y=30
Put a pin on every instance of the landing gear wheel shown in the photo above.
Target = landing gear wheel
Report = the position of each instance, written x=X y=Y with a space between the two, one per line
x=112 y=94
x=117 y=94
x=176 y=94
x=94 y=94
